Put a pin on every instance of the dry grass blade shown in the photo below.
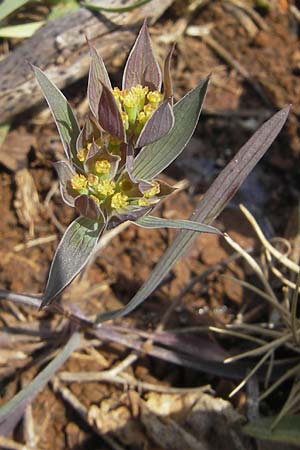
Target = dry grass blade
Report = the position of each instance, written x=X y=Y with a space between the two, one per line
x=288 y=263
x=288 y=374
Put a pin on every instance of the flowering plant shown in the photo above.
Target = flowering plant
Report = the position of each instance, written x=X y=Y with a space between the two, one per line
x=129 y=137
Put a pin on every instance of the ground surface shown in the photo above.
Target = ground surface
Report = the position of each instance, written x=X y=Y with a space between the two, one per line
x=258 y=74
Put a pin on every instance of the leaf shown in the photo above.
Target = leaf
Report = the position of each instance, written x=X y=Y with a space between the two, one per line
x=109 y=115
x=7 y=7
x=141 y=66
x=287 y=430
x=213 y=202
x=159 y=124
x=158 y=222
x=96 y=7
x=97 y=75
x=23 y=31
x=64 y=117
x=154 y=158
x=63 y=8
x=12 y=411
x=72 y=254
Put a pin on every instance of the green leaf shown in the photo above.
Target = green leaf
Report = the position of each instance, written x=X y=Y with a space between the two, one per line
x=154 y=158
x=7 y=7
x=23 y=31
x=63 y=8
x=158 y=222
x=95 y=6
x=72 y=254
x=12 y=411
x=214 y=201
x=62 y=112
x=287 y=430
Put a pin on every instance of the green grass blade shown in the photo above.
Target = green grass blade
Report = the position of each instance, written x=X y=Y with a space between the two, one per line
x=62 y=112
x=154 y=158
x=287 y=430
x=114 y=9
x=12 y=411
x=26 y=30
x=158 y=222
x=213 y=202
x=7 y=7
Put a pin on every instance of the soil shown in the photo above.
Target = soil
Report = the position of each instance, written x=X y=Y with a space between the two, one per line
x=261 y=76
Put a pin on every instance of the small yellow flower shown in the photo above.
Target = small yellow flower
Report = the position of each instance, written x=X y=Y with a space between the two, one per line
x=152 y=191
x=79 y=182
x=81 y=154
x=92 y=179
x=125 y=120
x=119 y=200
x=143 y=202
x=154 y=97
x=105 y=187
x=102 y=167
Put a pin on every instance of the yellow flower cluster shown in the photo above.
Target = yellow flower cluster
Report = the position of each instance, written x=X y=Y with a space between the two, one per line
x=114 y=195
x=136 y=105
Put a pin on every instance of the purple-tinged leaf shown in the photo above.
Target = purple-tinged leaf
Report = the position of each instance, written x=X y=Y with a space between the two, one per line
x=214 y=201
x=141 y=66
x=12 y=411
x=154 y=158
x=63 y=115
x=72 y=254
x=97 y=76
x=109 y=115
x=65 y=173
x=159 y=124
x=87 y=207
x=158 y=222
x=168 y=87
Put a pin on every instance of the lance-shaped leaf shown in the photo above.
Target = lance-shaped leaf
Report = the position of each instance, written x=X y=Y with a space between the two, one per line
x=154 y=158
x=158 y=222
x=141 y=66
x=97 y=75
x=64 y=117
x=72 y=254
x=213 y=202
x=12 y=411
x=159 y=124
x=109 y=115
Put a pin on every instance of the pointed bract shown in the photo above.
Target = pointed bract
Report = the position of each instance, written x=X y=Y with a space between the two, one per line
x=141 y=66
x=159 y=124
x=72 y=254
x=62 y=112
x=97 y=76
x=153 y=159
x=87 y=207
x=109 y=115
